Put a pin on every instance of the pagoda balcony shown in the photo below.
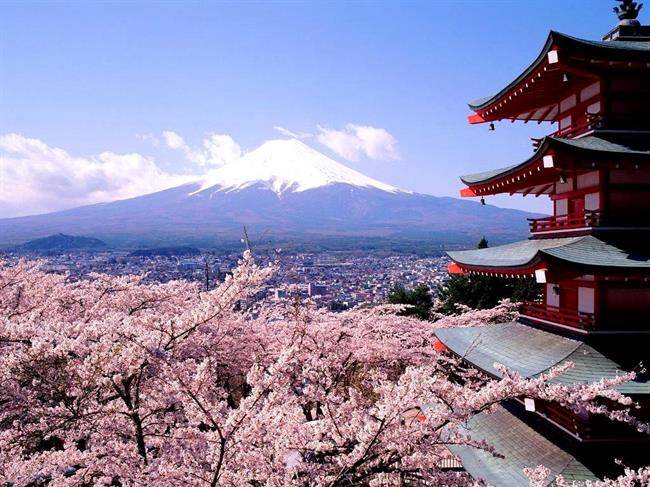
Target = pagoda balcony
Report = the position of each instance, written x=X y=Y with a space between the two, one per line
x=565 y=224
x=554 y=315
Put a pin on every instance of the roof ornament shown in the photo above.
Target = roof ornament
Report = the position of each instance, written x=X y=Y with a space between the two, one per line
x=628 y=12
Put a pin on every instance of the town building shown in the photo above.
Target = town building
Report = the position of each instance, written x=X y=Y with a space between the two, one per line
x=591 y=257
x=314 y=289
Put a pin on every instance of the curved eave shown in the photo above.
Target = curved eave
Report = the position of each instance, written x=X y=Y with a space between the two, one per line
x=519 y=446
x=525 y=257
x=553 y=154
x=500 y=177
x=519 y=258
x=532 y=352
x=496 y=271
x=634 y=52
x=488 y=101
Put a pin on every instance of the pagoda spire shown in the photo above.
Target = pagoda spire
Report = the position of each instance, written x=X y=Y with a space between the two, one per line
x=628 y=11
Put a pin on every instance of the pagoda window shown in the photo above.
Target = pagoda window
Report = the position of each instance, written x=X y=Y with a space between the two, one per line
x=588 y=180
x=564 y=187
x=590 y=91
x=561 y=207
x=592 y=201
x=552 y=295
x=565 y=122
x=568 y=103
x=586 y=300
x=594 y=108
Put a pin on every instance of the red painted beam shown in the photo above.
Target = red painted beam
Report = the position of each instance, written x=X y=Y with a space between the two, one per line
x=467 y=193
x=438 y=346
x=475 y=118
x=454 y=268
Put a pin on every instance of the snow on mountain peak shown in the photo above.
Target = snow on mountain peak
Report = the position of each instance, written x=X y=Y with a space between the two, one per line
x=287 y=165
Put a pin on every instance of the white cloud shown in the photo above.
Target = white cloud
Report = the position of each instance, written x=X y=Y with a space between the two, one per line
x=217 y=150
x=152 y=139
x=353 y=141
x=293 y=135
x=220 y=150
x=376 y=143
x=173 y=140
x=342 y=142
x=37 y=178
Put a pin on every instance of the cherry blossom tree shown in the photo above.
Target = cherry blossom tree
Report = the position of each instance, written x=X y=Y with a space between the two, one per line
x=506 y=310
x=540 y=477
x=110 y=381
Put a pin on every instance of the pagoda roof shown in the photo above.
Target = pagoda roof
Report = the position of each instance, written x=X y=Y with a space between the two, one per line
x=595 y=146
x=521 y=447
x=584 y=251
x=610 y=50
x=531 y=352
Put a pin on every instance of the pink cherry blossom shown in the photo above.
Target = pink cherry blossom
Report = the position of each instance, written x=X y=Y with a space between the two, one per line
x=111 y=381
x=539 y=477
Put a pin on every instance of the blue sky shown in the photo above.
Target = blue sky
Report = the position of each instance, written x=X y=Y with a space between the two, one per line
x=102 y=81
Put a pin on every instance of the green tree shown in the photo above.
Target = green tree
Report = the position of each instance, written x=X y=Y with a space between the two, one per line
x=483 y=292
x=419 y=298
x=338 y=306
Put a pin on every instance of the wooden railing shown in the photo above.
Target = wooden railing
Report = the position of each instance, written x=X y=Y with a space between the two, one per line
x=586 y=219
x=572 y=131
x=563 y=316
x=575 y=130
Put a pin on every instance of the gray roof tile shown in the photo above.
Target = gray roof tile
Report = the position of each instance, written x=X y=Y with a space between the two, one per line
x=511 y=255
x=521 y=447
x=530 y=352
x=586 y=250
x=602 y=144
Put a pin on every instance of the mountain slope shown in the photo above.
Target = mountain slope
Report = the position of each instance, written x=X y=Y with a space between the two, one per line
x=284 y=190
x=60 y=242
x=287 y=166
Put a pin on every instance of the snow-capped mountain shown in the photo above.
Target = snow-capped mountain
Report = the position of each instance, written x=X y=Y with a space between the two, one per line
x=282 y=191
x=287 y=165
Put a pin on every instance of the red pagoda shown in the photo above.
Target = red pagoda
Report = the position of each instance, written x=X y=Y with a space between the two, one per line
x=591 y=258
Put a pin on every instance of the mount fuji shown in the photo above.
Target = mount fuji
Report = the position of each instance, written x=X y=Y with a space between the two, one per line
x=287 y=166
x=282 y=191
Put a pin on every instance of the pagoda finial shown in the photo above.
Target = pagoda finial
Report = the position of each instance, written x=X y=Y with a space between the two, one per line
x=628 y=11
